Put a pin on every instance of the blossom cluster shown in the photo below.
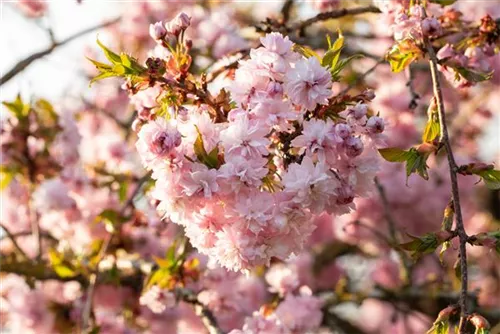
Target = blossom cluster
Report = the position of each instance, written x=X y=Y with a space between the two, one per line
x=245 y=189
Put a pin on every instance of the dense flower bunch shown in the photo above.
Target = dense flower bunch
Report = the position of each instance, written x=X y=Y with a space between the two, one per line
x=245 y=187
x=225 y=187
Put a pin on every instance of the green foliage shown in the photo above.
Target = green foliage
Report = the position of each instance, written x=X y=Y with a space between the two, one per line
x=439 y=327
x=6 y=176
x=122 y=65
x=111 y=219
x=422 y=245
x=444 y=2
x=210 y=159
x=306 y=51
x=332 y=60
x=17 y=107
x=473 y=76
x=416 y=162
x=432 y=128
x=63 y=267
x=491 y=178
x=399 y=59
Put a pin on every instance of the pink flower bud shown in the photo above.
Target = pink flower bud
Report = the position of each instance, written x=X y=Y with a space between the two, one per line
x=274 y=88
x=353 y=146
x=446 y=52
x=431 y=26
x=375 y=124
x=157 y=31
x=343 y=130
x=359 y=110
x=178 y=24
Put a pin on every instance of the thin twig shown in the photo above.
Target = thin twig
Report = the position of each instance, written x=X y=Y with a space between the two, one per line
x=445 y=140
x=414 y=95
x=12 y=238
x=285 y=10
x=87 y=310
x=201 y=310
x=335 y=14
x=363 y=75
x=391 y=223
x=23 y=64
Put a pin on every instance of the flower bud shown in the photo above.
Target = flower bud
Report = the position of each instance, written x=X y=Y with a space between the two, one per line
x=446 y=313
x=359 y=110
x=343 y=130
x=353 y=146
x=178 y=24
x=431 y=26
x=157 y=31
x=274 y=88
x=375 y=124
x=479 y=321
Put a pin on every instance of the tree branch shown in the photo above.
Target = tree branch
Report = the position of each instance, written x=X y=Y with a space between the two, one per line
x=334 y=14
x=285 y=10
x=445 y=140
x=23 y=64
x=12 y=238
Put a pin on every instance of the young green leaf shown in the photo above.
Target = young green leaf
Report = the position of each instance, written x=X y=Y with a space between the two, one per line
x=6 y=176
x=491 y=178
x=17 y=107
x=211 y=160
x=473 y=76
x=444 y=2
x=306 y=51
x=425 y=244
x=394 y=154
x=400 y=60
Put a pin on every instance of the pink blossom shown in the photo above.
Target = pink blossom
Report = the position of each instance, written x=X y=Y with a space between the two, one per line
x=308 y=83
x=244 y=137
x=156 y=140
x=300 y=313
x=200 y=180
x=157 y=300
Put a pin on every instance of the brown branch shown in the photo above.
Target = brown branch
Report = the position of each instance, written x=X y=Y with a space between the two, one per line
x=334 y=14
x=201 y=310
x=285 y=10
x=87 y=310
x=445 y=140
x=414 y=95
x=23 y=64
x=12 y=238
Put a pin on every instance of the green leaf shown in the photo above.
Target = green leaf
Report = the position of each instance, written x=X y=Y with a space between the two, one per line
x=394 y=154
x=17 y=107
x=6 y=176
x=161 y=277
x=64 y=271
x=110 y=55
x=417 y=163
x=444 y=2
x=444 y=248
x=211 y=159
x=439 y=327
x=306 y=51
x=473 y=76
x=421 y=245
x=110 y=218
x=95 y=330
x=122 y=191
x=332 y=55
x=400 y=60
x=432 y=128
x=343 y=63
x=491 y=178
